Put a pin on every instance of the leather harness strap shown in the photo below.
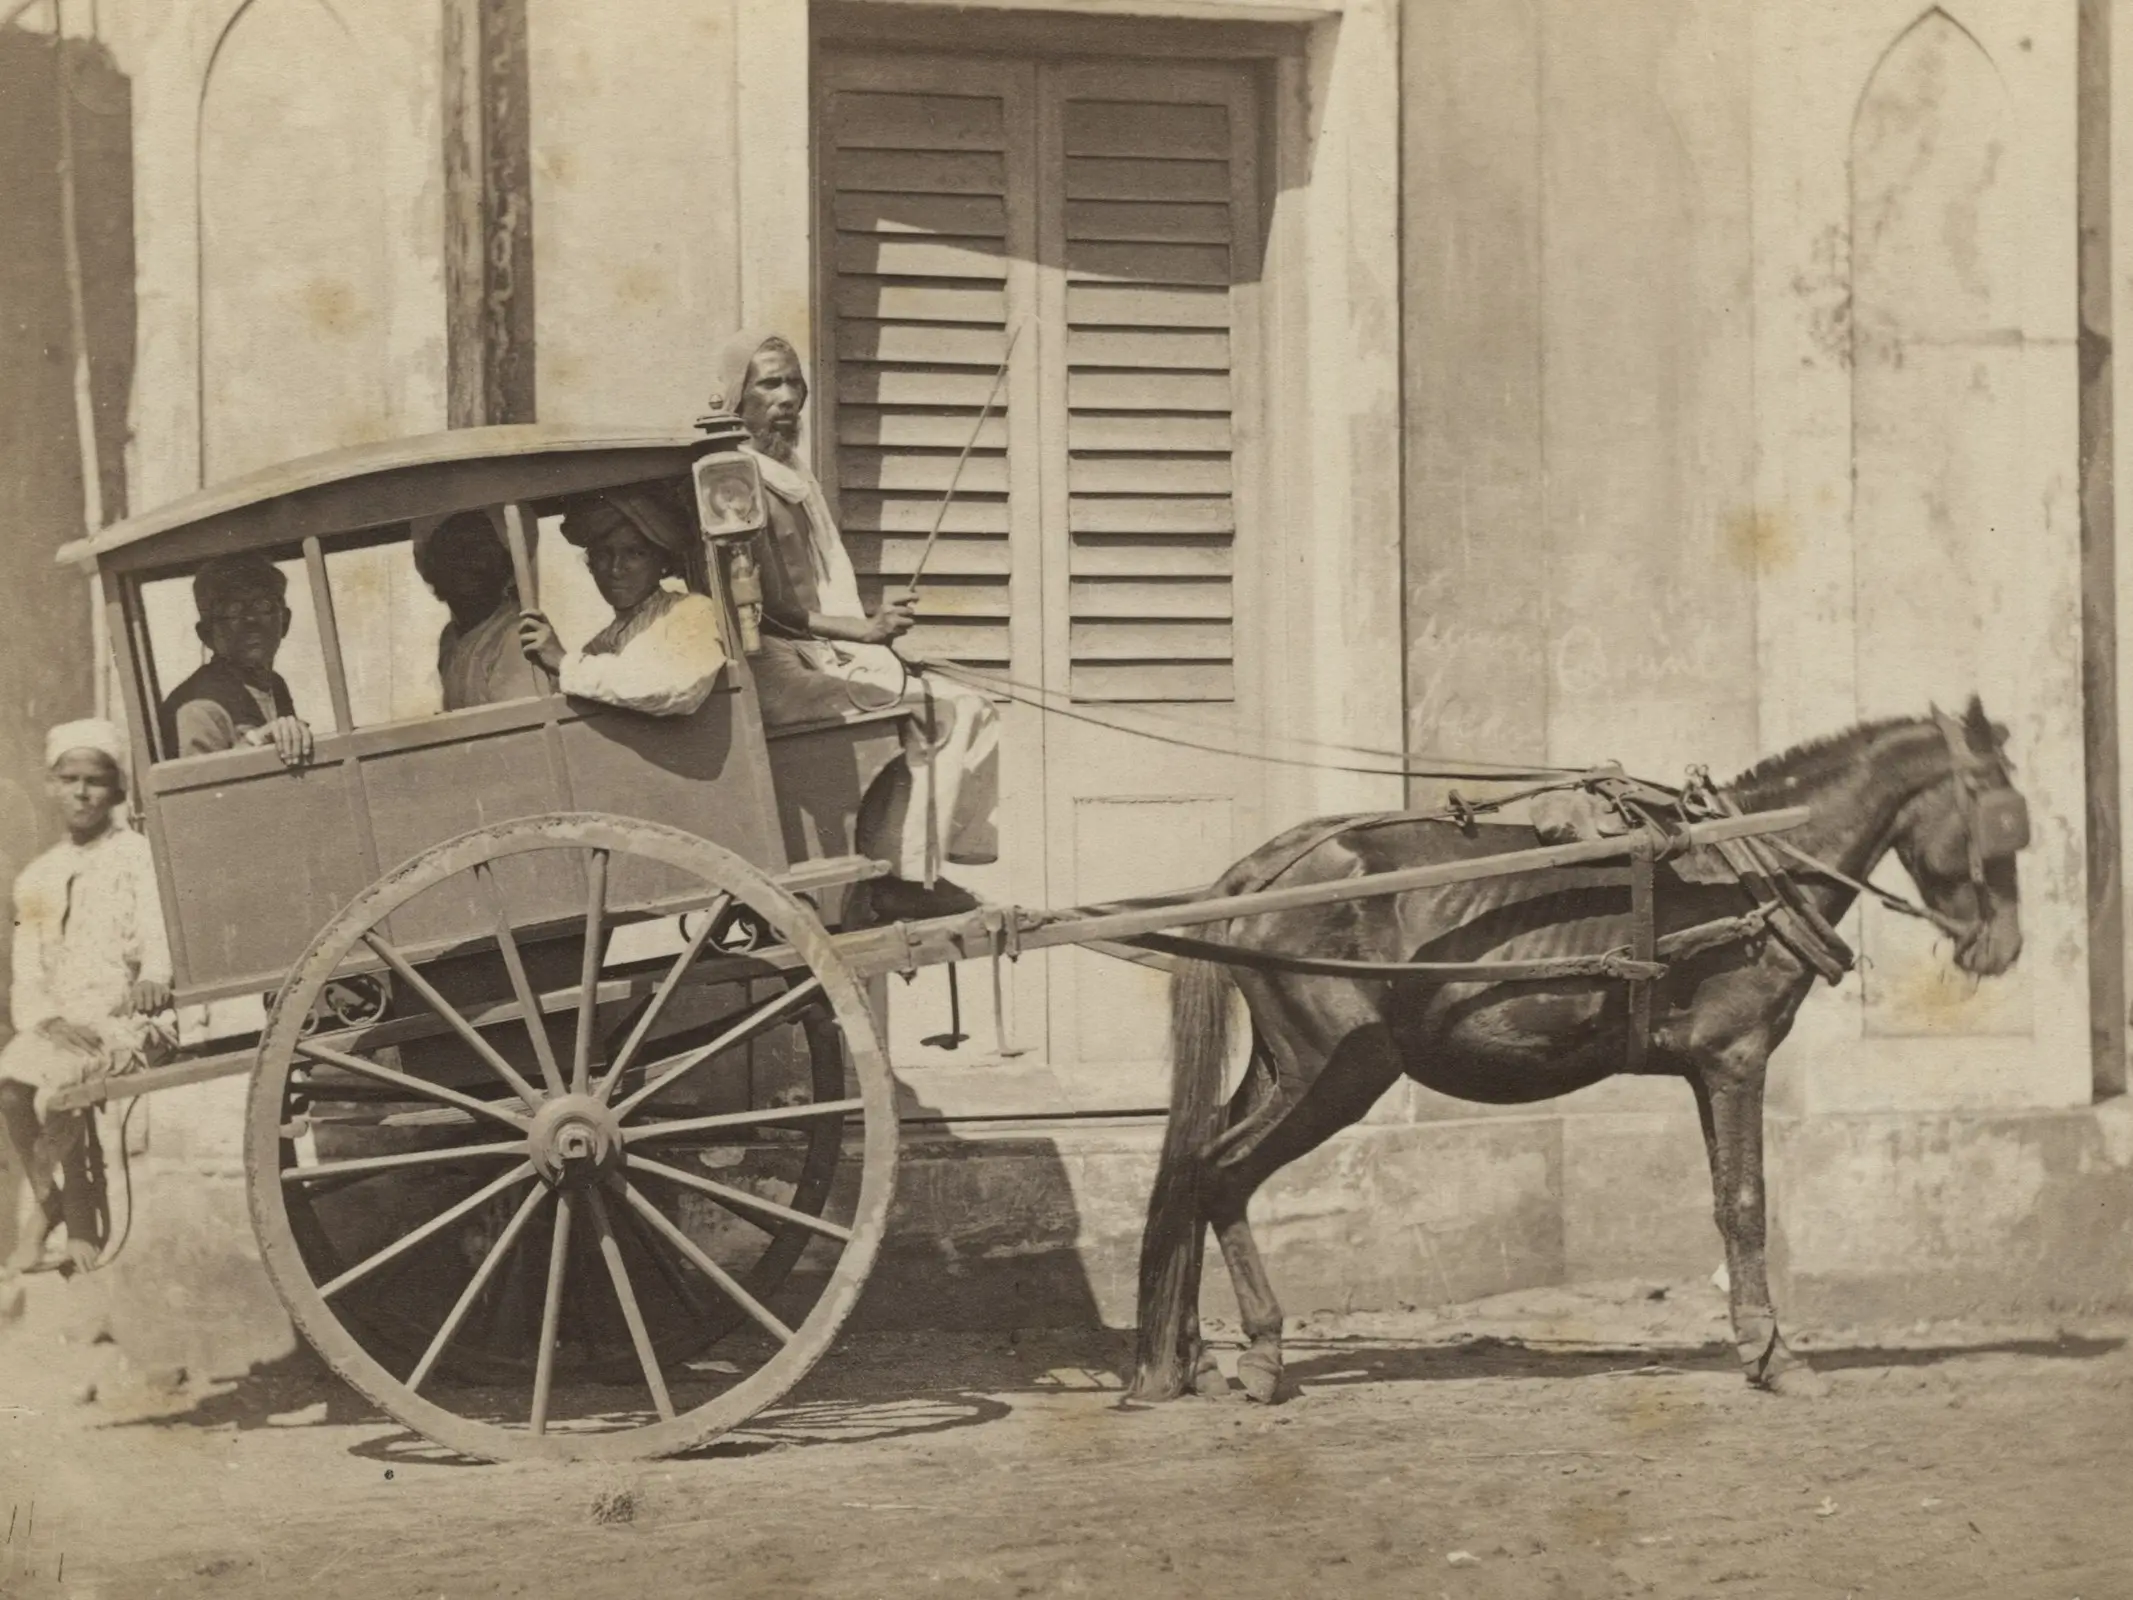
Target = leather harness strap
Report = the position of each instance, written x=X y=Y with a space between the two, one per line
x=1648 y=811
x=1798 y=926
x=1616 y=964
x=1643 y=945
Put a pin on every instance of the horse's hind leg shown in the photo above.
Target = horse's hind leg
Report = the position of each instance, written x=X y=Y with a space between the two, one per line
x=1729 y=1100
x=1259 y=1368
x=1312 y=1109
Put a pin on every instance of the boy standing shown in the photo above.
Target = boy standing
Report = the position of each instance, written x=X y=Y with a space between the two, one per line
x=91 y=987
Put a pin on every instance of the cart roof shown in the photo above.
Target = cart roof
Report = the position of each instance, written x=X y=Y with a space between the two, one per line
x=370 y=485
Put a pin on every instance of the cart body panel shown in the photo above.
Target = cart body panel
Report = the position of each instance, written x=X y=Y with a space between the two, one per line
x=260 y=858
x=821 y=772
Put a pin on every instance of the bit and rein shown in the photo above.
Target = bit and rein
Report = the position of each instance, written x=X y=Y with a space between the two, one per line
x=1995 y=823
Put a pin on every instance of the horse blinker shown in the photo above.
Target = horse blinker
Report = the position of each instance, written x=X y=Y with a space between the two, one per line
x=1999 y=820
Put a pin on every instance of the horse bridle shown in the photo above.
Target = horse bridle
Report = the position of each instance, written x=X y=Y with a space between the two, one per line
x=1995 y=819
x=1995 y=826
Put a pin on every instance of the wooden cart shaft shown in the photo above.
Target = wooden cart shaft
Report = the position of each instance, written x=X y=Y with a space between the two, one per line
x=903 y=947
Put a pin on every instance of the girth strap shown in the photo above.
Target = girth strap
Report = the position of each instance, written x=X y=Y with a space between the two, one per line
x=1608 y=964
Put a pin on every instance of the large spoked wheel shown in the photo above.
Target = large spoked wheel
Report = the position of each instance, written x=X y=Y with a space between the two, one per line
x=567 y=1202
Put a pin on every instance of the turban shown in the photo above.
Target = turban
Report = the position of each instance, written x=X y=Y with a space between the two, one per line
x=425 y=540
x=649 y=512
x=91 y=733
x=729 y=369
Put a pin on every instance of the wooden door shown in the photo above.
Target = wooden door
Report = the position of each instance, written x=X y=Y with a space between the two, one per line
x=1148 y=236
x=1111 y=213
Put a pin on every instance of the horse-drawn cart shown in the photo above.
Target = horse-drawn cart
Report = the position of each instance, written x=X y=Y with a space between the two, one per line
x=570 y=1129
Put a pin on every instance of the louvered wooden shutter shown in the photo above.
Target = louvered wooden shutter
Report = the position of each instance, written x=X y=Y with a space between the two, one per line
x=1109 y=209
x=1156 y=228
x=921 y=250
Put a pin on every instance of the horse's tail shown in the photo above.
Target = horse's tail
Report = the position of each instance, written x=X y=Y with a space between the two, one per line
x=1175 y=1235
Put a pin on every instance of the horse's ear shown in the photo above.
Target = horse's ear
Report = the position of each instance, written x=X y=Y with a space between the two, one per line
x=1984 y=734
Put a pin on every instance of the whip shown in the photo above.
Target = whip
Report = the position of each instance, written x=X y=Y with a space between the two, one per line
x=940 y=517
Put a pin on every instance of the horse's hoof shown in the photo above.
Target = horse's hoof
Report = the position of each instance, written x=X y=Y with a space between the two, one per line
x=1798 y=1382
x=1261 y=1377
x=1207 y=1380
x=1155 y=1388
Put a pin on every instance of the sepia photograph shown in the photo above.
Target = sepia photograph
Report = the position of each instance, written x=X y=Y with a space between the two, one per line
x=1177 y=798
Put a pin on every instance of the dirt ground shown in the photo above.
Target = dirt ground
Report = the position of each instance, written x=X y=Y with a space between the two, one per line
x=1552 y=1445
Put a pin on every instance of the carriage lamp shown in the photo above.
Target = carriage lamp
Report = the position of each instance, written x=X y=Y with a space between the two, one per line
x=729 y=509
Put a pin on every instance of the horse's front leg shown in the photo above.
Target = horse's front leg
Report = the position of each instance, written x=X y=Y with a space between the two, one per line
x=1729 y=1099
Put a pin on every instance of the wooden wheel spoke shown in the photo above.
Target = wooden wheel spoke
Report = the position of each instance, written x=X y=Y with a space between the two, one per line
x=763 y=1316
x=551 y=1311
x=357 y=1166
x=747 y=1028
x=475 y=1211
x=421 y=1088
x=467 y=1296
x=429 y=1230
x=589 y=973
x=740 y=1201
x=521 y=985
x=745 y=1119
x=632 y=1313
x=448 y=1014
x=660 y=996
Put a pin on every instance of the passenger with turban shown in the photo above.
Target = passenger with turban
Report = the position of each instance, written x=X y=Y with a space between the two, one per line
x=824 y=655
x=467 y=565
x=91 y=991
x=666 y=647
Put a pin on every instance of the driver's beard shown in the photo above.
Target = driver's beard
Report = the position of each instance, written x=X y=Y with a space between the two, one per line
x=779 y=445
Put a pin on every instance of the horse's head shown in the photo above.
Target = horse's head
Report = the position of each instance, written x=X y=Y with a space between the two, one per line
x=1957 y=839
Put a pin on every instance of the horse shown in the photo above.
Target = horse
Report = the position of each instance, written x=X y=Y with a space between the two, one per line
x=1937 y=790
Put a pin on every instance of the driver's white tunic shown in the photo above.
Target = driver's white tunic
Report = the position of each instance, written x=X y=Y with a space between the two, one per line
x=947 y=810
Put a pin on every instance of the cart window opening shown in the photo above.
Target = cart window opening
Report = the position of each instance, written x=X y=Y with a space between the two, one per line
x=212 y=696
x=391 y=624
x=428 y=614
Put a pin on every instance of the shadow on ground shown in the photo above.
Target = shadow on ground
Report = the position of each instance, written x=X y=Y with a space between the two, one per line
x=1317 y=1365
x=874 y=1396
x=879 y=1387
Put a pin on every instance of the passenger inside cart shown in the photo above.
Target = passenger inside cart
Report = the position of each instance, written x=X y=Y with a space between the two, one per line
x=666 y=646
x=467 y=566
x=237 y=698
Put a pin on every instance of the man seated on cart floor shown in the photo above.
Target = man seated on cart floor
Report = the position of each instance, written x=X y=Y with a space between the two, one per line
x=91 y=989
x=825 y=656
x=237 y=698
x=467 y=566
x=664 y=650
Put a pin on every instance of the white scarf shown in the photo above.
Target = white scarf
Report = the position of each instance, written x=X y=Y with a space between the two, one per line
x=836 y=584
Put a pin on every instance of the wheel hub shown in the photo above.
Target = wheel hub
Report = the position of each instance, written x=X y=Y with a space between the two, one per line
x=574 y=1138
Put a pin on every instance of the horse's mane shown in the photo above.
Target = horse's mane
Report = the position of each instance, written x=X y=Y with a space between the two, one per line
x=1816 y=757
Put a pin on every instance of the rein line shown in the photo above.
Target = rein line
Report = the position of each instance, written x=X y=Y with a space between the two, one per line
x=1888 y=898
x=1474 y=771
x=1545 y=780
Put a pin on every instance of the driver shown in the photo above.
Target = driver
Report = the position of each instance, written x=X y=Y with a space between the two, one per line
x=825 y=654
